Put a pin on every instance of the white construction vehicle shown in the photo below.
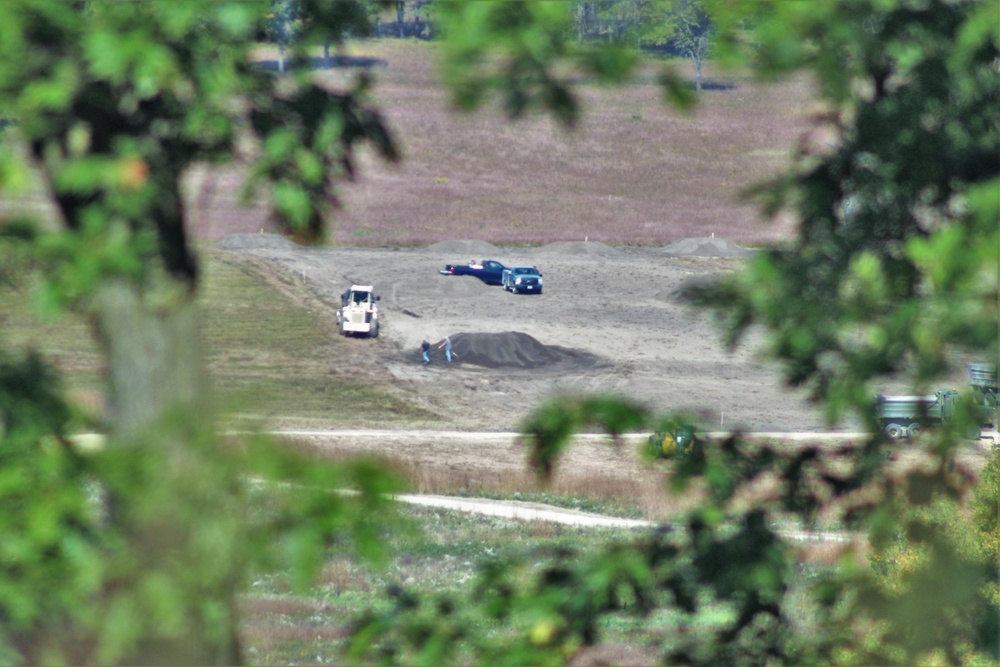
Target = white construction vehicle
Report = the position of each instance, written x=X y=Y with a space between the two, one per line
x=358 y=312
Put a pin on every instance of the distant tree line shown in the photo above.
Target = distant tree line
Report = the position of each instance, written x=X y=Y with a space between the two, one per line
x=681 y=28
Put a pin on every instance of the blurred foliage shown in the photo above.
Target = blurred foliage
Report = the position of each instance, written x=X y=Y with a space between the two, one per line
x=50 y=554
x=522 y=52
x=549 y=427
x=127 y=550
x=895 y=268
x=986 y=522
x=284 y=22
x=135 y=551
x=932 y=537
x=117 y=101
x=895 y=272
x=308 y=139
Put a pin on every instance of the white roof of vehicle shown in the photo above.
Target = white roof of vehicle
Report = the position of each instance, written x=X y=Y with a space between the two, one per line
x=361 y=288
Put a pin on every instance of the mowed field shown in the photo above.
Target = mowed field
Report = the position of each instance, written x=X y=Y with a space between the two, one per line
x=634 y=171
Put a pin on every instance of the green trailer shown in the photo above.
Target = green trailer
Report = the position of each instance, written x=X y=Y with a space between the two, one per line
x=906 y=416
x=984 y=382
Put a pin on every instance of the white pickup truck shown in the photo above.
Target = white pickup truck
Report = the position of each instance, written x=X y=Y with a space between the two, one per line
x=521 y=280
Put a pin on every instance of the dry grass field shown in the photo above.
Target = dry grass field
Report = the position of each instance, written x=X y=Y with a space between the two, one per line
x=634 y=172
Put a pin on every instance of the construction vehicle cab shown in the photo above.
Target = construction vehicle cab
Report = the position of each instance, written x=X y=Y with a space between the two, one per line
x=358 y=312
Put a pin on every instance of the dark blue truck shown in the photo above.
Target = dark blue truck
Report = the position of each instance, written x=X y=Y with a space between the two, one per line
x=489 y=271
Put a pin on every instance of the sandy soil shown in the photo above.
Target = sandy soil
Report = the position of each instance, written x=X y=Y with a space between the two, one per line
x=610 y=320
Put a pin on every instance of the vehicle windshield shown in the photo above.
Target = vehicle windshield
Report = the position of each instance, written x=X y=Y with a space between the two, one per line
x=524 y=271
x=360 y=297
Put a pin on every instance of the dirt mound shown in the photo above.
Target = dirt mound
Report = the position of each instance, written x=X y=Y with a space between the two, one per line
x=470 y=248
x=705 y=247
x=511 y=349
x=252 y=241
x=594 y=248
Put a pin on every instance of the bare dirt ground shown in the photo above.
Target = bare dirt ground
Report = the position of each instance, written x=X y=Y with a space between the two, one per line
x=610 y=320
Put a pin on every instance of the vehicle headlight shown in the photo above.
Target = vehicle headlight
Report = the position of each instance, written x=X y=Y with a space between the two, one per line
x=517 y=281
x=539 y=281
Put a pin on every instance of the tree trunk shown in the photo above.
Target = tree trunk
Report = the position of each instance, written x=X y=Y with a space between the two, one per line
x=159 y=406
x=700 y=53
x=153 y=352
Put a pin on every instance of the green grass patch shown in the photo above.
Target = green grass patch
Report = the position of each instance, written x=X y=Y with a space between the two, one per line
x=442 y=555
x=65 y=339
x=268 y=356
x=438 y=552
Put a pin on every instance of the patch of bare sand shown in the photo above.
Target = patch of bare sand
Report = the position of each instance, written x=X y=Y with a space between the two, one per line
x=705 y=247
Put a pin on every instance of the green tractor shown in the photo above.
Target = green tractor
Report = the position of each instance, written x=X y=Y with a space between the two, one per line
x=672 y=442
x=907 y=416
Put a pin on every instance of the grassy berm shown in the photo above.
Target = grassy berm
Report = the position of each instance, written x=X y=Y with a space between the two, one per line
x=272 y=352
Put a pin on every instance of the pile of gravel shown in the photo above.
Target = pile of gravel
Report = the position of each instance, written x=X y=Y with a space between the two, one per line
x=705 y=247
x=256 y=241
x=593 y=248
x=511 y=349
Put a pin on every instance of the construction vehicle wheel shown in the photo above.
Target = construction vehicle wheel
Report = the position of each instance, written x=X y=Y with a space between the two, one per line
x=342 y=332
x=894 y=431
x=973 y=433
x=374 y=330
x=913 y=430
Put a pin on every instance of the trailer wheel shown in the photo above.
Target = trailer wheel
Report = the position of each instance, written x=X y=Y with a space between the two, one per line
x=913 y=430
x=894 y=431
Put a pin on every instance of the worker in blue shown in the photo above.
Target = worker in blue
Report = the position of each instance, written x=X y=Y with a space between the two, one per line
x=447 y=348
x=425 y=348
